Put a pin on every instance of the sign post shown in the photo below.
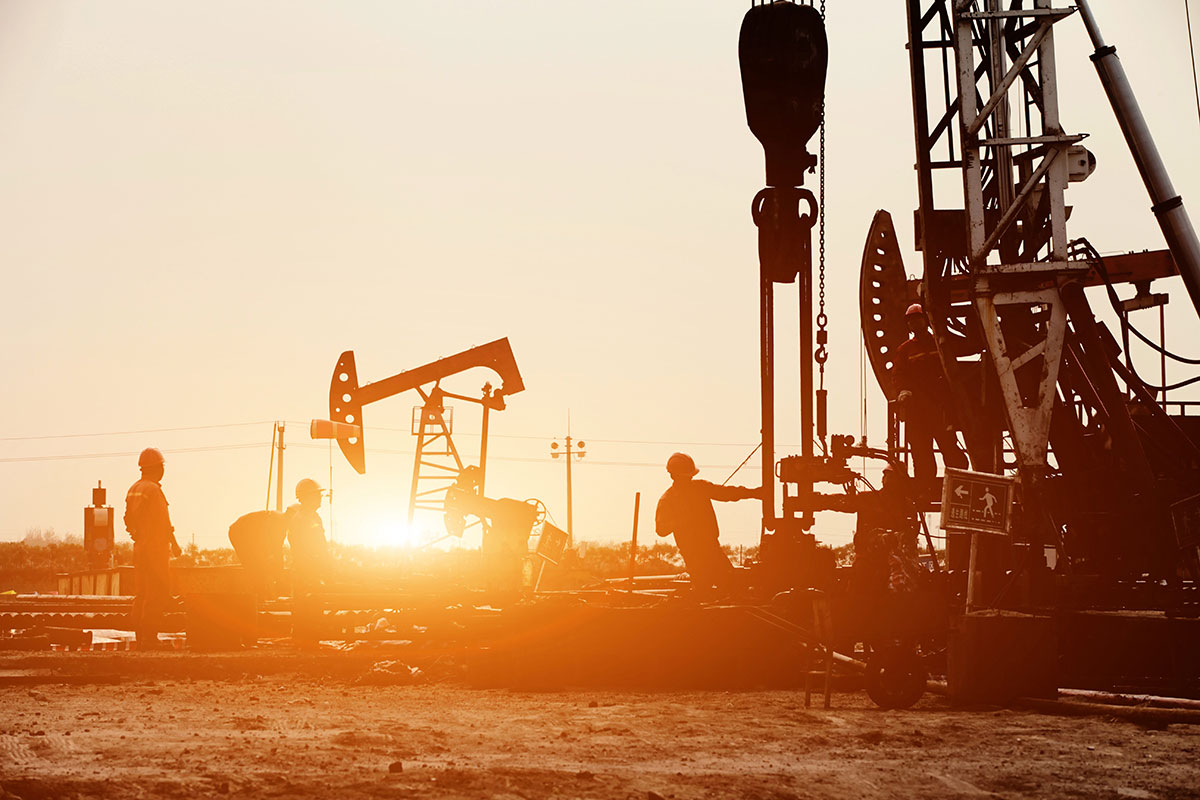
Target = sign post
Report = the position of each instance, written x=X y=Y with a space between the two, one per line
x=976 y=503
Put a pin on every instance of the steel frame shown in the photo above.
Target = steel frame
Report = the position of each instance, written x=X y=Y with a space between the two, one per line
x=985 y=72
x=1003 y=285
x=436 y=463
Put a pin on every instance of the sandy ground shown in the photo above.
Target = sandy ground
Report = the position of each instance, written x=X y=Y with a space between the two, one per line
x=283 y=736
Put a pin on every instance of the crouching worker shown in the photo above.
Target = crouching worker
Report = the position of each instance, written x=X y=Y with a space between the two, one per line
x=257 y=540
x=685 y=511
x=310 y=561
x=505 y=543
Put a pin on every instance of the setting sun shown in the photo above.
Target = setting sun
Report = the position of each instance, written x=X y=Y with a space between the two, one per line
x=394 y=532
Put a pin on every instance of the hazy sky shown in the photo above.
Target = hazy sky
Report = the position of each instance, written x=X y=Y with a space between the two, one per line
x=203 y=204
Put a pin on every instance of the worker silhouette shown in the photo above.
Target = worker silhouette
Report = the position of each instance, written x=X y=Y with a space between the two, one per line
x=989 y=502
x=923 y=400
x=685 y=510
x=505 y=540
x=886 y=525
x=149 y=524
x=257 y=540
x=310 y=560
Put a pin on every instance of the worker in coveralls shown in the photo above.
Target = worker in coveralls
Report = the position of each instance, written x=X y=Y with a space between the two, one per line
x=310 y=559
x=149 y=524
x=923 y=397
x=505 y=542
x=686 y=510
x=885 y=536
x=886 y=571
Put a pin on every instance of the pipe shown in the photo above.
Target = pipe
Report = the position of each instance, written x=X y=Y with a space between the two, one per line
x=637 y=505
x=1158 y=716
x=766 y=356
x=1142 y=700
x=279 y=471
x=1166 y=204
x=1098 y=704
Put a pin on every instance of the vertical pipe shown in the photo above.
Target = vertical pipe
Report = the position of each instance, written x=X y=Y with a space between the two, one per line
x=416 y=470
x=1162 y=351
x=330 y=492
x=483 y=448
x=998 y=63
x=823 y=418
x=972 y=576
x=279 y=473
x=766 y=352
x=570 y=528
x=637 y=504
x=806 y=374
x=271 y=466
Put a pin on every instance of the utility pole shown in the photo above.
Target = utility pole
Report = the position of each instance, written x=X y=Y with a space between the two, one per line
x=279 y=468
x=578 y=451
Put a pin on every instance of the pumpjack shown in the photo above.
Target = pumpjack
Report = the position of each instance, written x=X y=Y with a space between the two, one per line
x=441 y=482
x=437 y=463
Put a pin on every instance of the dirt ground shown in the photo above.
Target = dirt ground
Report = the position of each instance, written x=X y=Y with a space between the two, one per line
x=282 y=735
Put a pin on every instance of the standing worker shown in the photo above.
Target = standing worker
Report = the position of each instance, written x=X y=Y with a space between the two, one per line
x=310 y=559
x=924 y=397
x=886 y=525
x=686 y=510
x=149 y=524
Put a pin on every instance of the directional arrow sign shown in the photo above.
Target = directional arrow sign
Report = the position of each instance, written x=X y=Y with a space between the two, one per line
x=977 y=502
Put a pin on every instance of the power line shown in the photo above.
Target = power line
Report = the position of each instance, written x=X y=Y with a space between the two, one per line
x=313 y=446
x=547 y=438
x=130 y=433
x=527 y=437
x=524 y=459
x=1192 y=50
x=128 y=453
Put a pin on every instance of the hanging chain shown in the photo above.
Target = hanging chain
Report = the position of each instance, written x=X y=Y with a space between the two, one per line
x=822 y=354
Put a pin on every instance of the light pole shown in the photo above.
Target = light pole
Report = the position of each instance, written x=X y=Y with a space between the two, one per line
x=577 y=451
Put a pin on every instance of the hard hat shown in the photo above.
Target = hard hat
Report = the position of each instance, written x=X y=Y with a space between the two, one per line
x=151 y=457
x=915 y=308
x=307 y=486
x=681 y=464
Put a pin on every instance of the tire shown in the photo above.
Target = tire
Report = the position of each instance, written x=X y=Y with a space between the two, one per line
x=895 y=678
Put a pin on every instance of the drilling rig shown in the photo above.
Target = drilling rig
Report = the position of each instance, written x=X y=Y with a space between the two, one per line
x=1105 y=470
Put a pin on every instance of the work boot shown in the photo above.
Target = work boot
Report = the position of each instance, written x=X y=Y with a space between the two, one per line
x=148 y=642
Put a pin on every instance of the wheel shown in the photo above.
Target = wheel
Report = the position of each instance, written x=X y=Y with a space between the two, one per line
x=895 y=677
x=541 y=510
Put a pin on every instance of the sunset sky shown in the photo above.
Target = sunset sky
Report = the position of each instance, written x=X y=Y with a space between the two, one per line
x=203 y=204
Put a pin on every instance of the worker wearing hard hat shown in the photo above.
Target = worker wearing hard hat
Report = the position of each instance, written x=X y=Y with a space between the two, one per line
x=310 y=557
x=923 y=400
x=685 y=510
x=149 y=524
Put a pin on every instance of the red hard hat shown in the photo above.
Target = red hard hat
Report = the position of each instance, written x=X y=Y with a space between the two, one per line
x=681 y=464
x=151 y=457
x=307 y=486
x=915 y=308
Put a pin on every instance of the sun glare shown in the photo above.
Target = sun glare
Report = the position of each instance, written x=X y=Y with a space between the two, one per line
x=395 y=533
